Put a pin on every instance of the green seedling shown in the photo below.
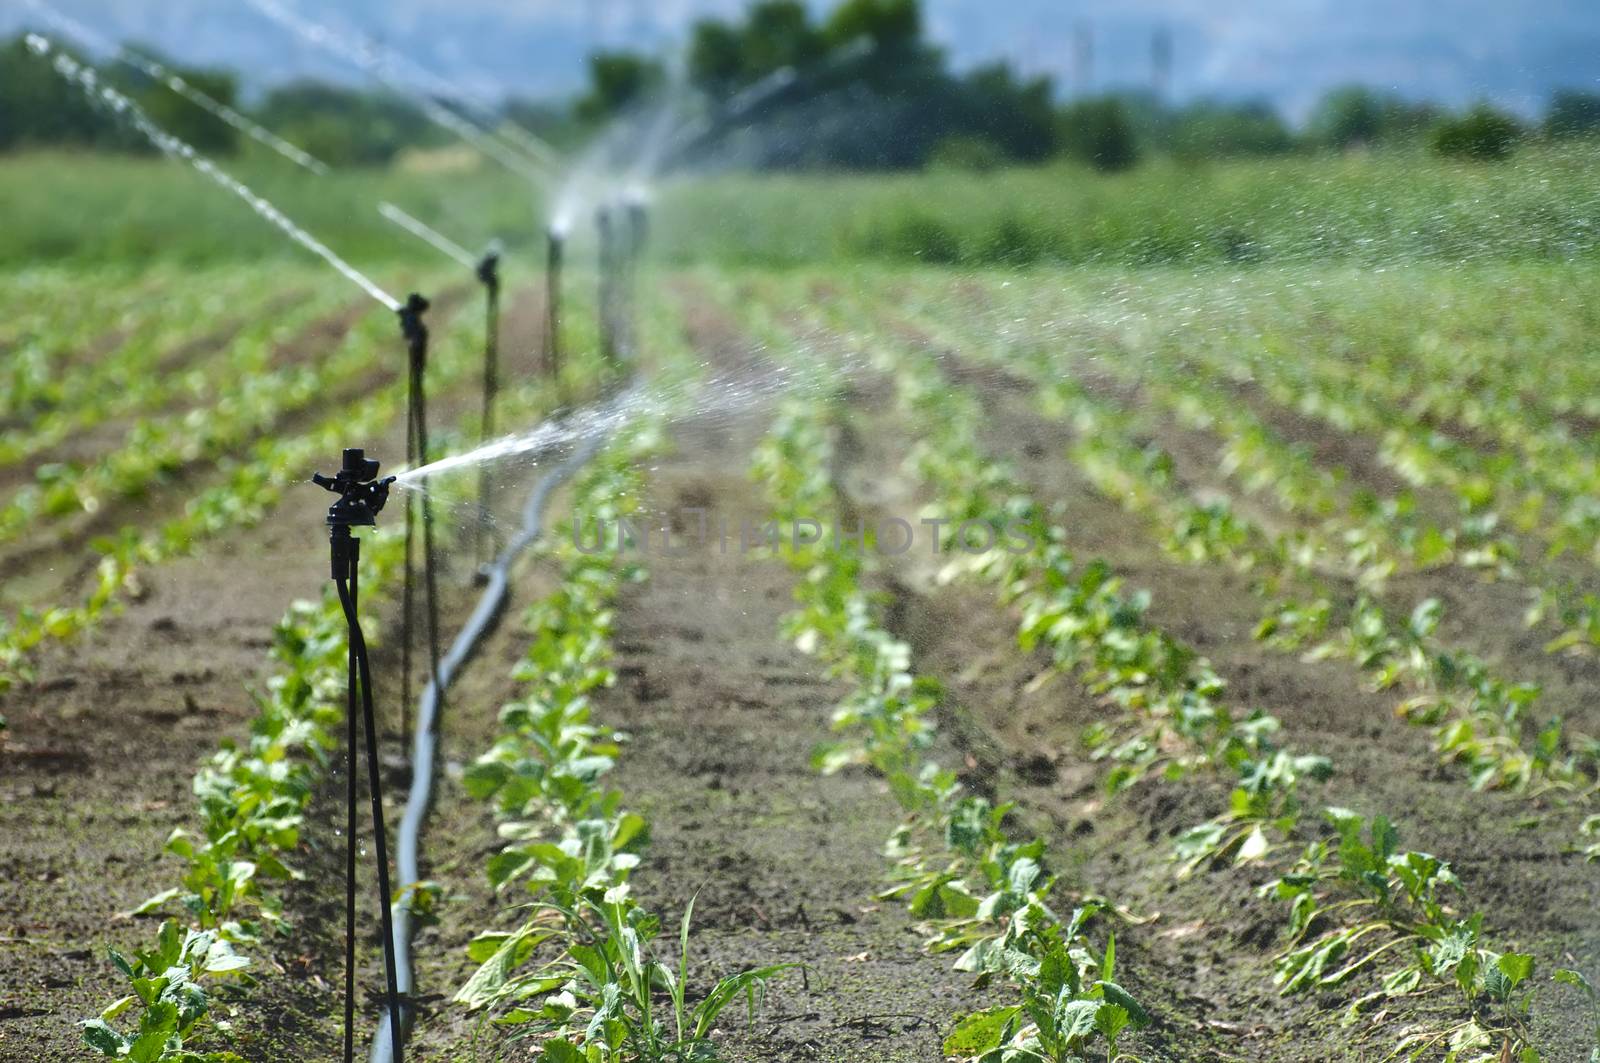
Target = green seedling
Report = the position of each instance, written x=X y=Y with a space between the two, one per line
x=167 y=998
x=606 y=997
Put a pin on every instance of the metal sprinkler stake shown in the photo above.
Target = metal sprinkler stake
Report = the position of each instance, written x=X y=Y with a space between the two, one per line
x=608 y=284
x=416 y=337
x=556 y=252
x=361 y=497
x=489 y=274
x=638 y=234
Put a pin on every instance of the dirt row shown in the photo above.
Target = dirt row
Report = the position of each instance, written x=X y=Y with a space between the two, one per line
x=102 y=746
x=722 y=715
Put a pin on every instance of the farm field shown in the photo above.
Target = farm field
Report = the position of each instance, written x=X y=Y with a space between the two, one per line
x=1177 y=644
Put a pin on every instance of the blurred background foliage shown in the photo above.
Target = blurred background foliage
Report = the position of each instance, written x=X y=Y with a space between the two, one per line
x=859 y=88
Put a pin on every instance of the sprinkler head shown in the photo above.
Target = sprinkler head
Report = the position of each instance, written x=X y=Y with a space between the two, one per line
x=361 y=494
x=411 y=318
x=489 y=266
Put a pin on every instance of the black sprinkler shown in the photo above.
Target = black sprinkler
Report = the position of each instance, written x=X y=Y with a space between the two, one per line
x=362 y=496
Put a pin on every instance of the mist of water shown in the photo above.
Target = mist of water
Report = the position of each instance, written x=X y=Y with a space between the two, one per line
x=71 y=27
x=534 y=166
x=719 y=394
x=440 y=242
x=89 y=80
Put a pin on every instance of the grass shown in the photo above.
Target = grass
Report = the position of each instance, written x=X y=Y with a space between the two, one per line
x=1379 y=207
x=1365 y=208
x=88 y=209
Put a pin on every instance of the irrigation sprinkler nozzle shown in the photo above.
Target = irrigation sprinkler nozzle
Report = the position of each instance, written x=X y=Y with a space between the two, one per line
x=362 y=495
x=489 y=269
x=411 y=324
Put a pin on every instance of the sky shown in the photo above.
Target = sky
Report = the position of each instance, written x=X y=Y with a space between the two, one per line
x=1288 y=52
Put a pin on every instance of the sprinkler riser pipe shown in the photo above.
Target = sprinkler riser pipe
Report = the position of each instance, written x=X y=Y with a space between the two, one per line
x=361 y=497
x=606 y=229
x=489 y=274
x=555 y=256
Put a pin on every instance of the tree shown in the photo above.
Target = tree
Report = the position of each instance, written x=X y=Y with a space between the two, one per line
x=38 y=106
x=1573 y=114
x=1099 y=133
x=182 y=118
x=1348 y=117
x=1356 y=116
x=1210 y=130
x=716 y=57
x=893 y=26
x=779 y=33
x=1017 y=116
x=617 y=80
x=343 y=126
x=1482 y=133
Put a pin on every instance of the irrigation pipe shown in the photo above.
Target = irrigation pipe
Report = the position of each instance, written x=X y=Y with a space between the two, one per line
x=425 y=741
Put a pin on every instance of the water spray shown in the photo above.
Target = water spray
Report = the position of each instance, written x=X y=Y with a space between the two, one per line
x=157 y=72
x=361 y=497
x=89 y=80
x=514 y=155
x=769 y=93
x=415 y=332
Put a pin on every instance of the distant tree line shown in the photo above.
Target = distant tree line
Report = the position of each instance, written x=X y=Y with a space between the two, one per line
x=858 y=88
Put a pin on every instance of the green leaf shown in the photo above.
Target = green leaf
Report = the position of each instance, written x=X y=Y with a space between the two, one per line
x=490 y=979
x=503 y=867
x=485 y=945
x=1516 y=966
x=1121 y=997
x=980 y=1032
x=155 y=902
x=1076 y=1019
x=1574 y=978
x=1111 y=1020
x=156 y=1027
x=117 y=1007
x=121 y=962
x=99 y=1035
x=560 y=1051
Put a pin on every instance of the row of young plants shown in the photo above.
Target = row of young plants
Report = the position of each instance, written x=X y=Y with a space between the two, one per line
x=1368 y=535
x=1543 y=487
x=45 y=364
x=986 y=897
x=158 y=446
x=1358 y=905
x=149 y=373
x=1479 y=718
x=1465 y=416
x=247 y=488
x=585 y=975
x=1249 y=344
x=1382 y=913
x=253 y=800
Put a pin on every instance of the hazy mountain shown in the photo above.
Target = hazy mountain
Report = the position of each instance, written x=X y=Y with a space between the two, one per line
x=1284 y=50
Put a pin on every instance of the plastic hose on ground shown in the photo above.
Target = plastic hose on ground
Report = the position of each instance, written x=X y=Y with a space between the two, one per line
x=425 y=743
